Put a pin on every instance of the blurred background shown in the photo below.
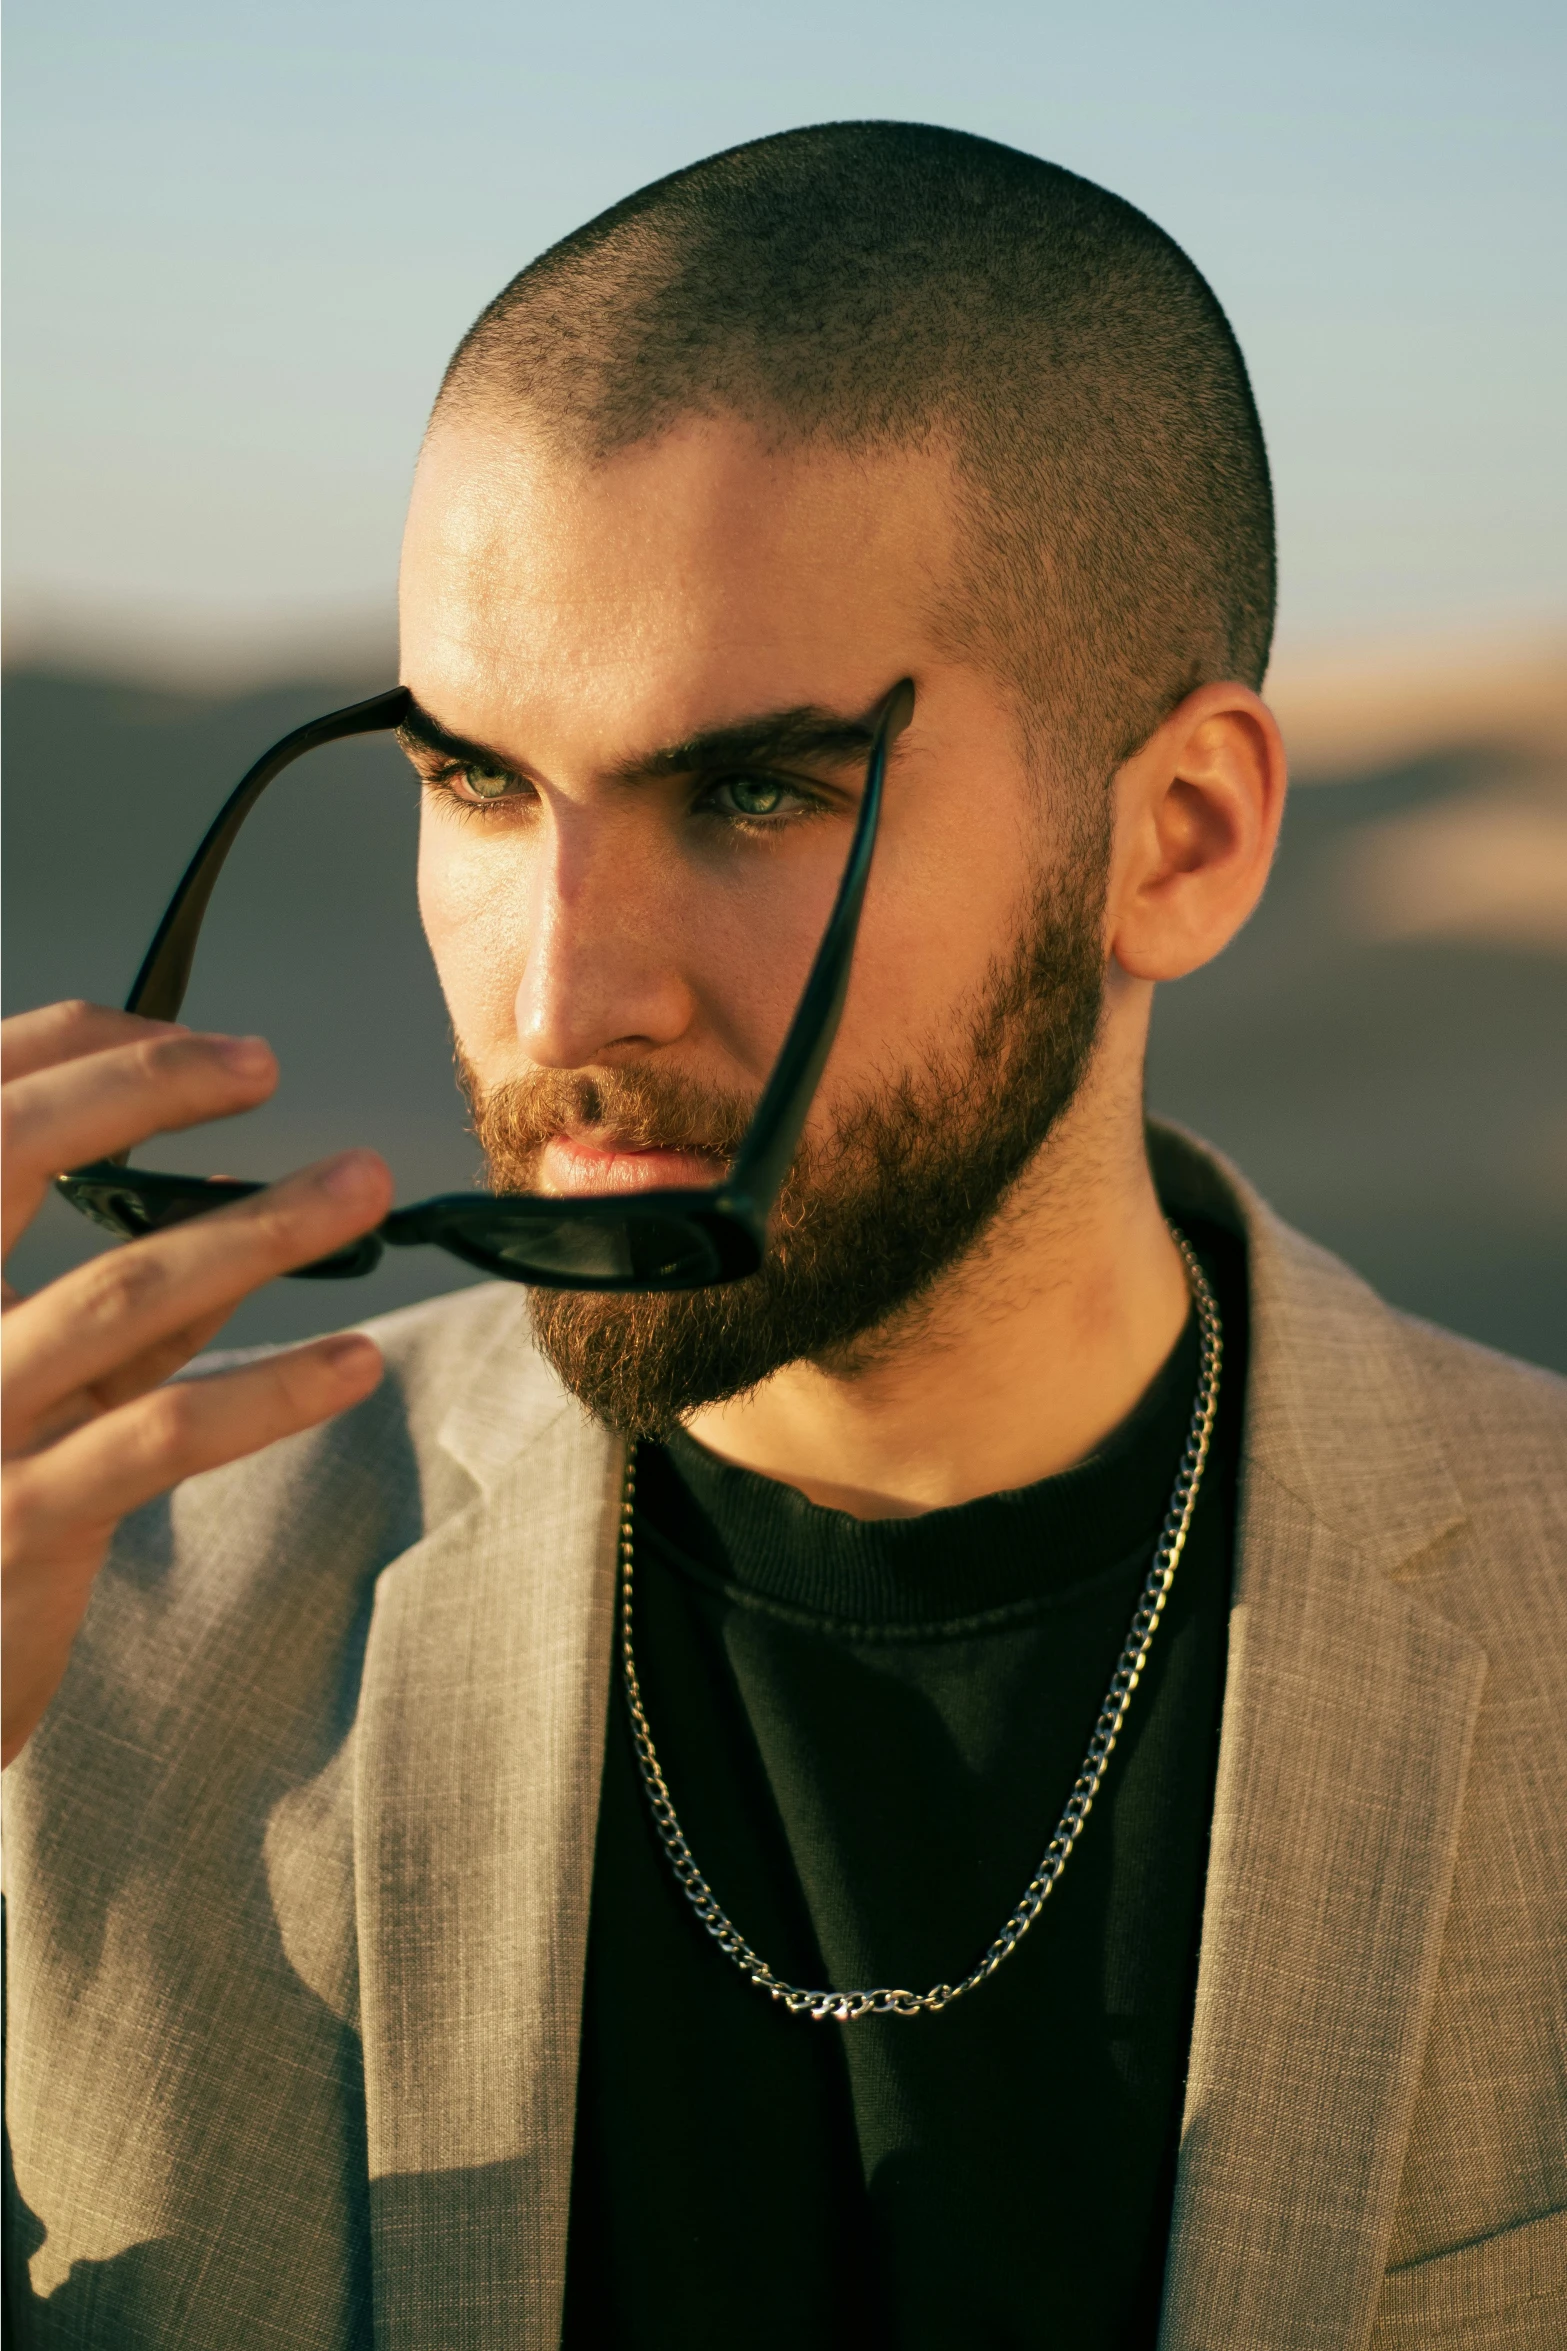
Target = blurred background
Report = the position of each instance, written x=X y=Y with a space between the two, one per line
x=241 y=245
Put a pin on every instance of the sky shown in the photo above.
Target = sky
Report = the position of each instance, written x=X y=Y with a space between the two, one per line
x=243 y=241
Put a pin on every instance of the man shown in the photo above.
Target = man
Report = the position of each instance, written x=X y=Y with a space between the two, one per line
x=415 y=1931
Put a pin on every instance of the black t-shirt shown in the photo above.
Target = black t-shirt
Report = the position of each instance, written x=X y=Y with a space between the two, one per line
x=869 y=1729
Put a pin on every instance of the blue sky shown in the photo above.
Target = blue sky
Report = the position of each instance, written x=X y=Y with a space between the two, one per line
x=243 y=241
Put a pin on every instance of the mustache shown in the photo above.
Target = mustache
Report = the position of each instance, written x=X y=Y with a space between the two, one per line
x=645 y=1110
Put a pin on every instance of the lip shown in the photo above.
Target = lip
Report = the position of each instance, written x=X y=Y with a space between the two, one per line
x=569 y=1165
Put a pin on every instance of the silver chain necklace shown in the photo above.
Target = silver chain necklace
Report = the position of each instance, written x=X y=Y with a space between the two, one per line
x=845 y=2007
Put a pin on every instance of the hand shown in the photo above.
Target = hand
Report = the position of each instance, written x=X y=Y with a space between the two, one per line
x=89 y=1428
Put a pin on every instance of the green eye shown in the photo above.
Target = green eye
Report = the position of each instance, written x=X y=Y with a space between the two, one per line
x=753 y=795
x=484 y=786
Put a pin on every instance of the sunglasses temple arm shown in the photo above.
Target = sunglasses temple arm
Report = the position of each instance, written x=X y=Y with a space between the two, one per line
x=757 y=1176
x=764 y=1158
x=159 y=987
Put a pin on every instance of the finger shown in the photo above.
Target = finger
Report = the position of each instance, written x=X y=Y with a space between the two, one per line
x=156 y=1363
x=94 y=1321
x=88 y=1109
x=64 y=1032
x=146 y=1371
x=61 y=1507
x=105 y=1102
x=116 y=1463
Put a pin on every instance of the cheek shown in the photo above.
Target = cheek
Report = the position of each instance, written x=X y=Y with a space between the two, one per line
x=473 y=905
x=946 y=904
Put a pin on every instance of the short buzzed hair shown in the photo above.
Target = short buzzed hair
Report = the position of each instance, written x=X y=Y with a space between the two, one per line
x=887 y=285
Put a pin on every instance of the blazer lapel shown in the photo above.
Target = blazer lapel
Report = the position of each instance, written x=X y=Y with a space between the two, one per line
x=1348 y=1717
x=477 y=1780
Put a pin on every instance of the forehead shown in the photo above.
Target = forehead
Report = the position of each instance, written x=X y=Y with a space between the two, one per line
x=664 y=588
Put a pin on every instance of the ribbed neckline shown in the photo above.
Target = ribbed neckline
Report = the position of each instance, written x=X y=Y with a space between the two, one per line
x=1034 y=1543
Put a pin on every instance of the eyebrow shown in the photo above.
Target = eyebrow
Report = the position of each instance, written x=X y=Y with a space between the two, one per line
x=805 y=732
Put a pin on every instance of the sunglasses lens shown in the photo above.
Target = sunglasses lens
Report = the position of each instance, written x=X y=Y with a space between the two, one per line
x=568 y=1253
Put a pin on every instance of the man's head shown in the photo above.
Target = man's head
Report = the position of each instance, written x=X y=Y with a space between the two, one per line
x=867 y=287
x=845 y=406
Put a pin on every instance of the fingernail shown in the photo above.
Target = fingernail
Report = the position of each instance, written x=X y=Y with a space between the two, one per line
x=247 y=1057
x=352 y=1178
x=349 y=1356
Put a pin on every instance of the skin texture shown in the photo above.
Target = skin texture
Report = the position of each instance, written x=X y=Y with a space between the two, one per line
x=575 y=618
x=90 y=1430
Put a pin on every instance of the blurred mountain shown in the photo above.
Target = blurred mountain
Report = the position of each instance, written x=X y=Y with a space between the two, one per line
x=1381 y=1049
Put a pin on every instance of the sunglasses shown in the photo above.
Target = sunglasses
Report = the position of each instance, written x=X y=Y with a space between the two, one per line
x=655 y=1240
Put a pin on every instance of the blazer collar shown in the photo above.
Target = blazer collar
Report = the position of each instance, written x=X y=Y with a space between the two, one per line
x=1334 y=1407
x=478 y=1756
x=1334 y=1410
x=508 y=1398
x=1349 y=1713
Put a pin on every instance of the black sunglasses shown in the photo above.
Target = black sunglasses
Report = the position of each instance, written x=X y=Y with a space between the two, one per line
x=663 y=1240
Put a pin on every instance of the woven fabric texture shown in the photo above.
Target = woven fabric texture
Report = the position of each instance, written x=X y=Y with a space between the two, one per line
x=299 y=1863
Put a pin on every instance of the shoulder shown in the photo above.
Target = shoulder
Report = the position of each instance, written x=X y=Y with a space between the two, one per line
x=1325 y=1318
x=1448 y=1411
x=244 y=1596
x=1502 y=1570
x=1504 y=1418
x=447 y=1359
x=1434 y=1457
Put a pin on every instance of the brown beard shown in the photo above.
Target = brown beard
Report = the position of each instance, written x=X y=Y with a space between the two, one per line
x=870 y=1216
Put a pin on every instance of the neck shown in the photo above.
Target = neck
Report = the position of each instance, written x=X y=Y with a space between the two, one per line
x=1020 y=1361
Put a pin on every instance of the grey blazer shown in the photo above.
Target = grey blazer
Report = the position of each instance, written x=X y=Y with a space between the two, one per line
x=299 y=1864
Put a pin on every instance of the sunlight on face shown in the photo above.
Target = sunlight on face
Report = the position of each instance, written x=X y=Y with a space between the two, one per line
x=590 y=902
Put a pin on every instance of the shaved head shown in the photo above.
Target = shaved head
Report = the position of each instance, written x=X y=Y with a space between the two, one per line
x=877 y=286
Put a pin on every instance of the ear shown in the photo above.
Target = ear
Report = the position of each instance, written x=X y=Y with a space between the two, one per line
x=1197 y=813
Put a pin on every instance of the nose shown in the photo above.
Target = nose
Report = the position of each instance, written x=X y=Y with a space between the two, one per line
x=602 y=980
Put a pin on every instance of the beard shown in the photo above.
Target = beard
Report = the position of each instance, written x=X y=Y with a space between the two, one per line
x=912 y=1173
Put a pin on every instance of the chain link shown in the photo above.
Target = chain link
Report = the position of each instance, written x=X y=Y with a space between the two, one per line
x=846 y=2007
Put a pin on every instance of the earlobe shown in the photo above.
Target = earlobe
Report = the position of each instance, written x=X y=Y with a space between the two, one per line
x=1197 y=818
